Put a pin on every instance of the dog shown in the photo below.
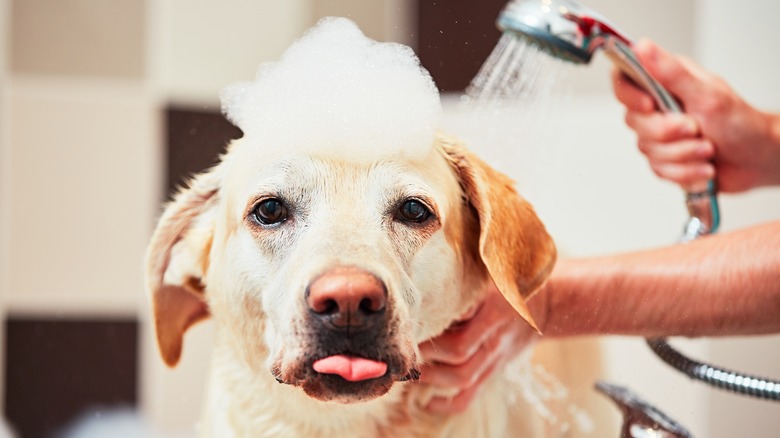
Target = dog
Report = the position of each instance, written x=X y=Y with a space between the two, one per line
x=323 y=270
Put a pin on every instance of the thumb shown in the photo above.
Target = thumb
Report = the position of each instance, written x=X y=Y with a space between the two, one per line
x=671 y=71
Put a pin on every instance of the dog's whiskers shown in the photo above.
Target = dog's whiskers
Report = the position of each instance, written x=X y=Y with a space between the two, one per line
x=413 y=374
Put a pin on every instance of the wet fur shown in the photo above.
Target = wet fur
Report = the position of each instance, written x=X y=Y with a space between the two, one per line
x=207 y=260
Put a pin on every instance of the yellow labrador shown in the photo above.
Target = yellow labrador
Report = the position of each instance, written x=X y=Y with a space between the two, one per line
x=323 y=272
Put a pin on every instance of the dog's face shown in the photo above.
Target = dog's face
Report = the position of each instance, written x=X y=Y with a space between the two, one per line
x=327 y=272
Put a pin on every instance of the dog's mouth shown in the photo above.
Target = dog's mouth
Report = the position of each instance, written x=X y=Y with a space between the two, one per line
x=349 y=378
x=349 y=353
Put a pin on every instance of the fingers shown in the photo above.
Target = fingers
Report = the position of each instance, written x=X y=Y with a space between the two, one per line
x=468 y=377
x=662 y=127
x=465 y=374
x=629 y=94
x=672 y=146
x=460 y=342
x=687 y=151
x=471 y=375
x=460 y=402
x=687 y=174
x=673 y=143
x=682 y=78
x=467 y=353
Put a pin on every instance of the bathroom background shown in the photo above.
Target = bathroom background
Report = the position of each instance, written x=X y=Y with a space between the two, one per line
x=105 y=105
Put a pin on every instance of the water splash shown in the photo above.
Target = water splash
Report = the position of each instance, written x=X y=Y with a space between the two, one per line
x=548 y=396
x=516 y=71
x=507 y=114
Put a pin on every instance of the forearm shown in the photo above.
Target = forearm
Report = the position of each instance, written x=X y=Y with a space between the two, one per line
x=725 y=284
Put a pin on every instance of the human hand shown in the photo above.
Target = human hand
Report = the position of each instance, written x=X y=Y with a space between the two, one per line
x=719 y=135
x=465 y=355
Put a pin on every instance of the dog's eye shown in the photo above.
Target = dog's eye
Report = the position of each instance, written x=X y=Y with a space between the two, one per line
x=270 y=211
x=413 y=210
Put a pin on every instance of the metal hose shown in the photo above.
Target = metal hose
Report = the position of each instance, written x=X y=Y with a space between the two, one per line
x=722 y=378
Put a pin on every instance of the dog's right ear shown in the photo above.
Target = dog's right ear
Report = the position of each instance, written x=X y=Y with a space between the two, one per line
x=514 y=246
x=177 y=260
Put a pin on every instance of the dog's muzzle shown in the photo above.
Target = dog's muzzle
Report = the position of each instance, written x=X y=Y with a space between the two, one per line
x=354 y=353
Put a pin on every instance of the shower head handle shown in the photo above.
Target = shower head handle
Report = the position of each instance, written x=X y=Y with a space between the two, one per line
x=700 y=196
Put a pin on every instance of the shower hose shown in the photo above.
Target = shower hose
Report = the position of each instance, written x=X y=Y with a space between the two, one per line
x=722 y=378
x=704 y=219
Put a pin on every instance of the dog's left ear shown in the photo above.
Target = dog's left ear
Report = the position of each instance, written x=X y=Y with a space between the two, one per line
x=513 y=243
x=177 y=260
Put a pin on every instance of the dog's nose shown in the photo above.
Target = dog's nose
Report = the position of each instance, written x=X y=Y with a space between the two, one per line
x=347 y=298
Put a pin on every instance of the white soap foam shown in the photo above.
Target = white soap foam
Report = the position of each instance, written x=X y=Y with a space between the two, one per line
x=337 y=90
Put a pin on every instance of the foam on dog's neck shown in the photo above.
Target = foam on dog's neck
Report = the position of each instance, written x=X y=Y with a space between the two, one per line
x=335 y=90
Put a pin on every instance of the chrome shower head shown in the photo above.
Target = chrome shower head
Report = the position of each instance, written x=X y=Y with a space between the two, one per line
x=563 y=28
x=572 y=32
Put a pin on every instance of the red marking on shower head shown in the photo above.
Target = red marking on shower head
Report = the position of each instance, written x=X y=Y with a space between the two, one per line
x=591 y=26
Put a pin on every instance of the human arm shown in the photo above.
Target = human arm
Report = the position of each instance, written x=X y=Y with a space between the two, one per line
x=726 y=284
x=719 y=135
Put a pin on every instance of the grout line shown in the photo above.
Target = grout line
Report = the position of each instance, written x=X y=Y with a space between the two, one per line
x=150 y=375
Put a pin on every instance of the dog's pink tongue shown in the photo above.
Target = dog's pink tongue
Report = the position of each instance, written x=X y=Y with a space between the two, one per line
x=351 y=368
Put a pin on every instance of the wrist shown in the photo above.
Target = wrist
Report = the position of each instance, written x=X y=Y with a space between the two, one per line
x=771 y=151
x=552 y=306
x=774 y=132
x=775 y=129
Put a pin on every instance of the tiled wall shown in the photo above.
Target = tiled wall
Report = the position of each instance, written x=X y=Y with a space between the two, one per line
x=80 y=165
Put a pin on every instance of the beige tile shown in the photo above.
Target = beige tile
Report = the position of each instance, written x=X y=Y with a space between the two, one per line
x=203 y=46
x=368 y=15
x=384 y=20
x=172 y=399
x=84 y=174
x=78 y=37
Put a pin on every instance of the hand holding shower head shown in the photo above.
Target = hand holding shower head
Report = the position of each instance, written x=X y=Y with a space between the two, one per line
x=569 y=31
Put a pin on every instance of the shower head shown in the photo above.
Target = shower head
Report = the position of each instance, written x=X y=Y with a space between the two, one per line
x=563 y=28
x=553 y=26
x=572 y=32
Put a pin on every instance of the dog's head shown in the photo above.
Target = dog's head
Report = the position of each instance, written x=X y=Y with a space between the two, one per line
x=340 y=231
x=328 y=273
